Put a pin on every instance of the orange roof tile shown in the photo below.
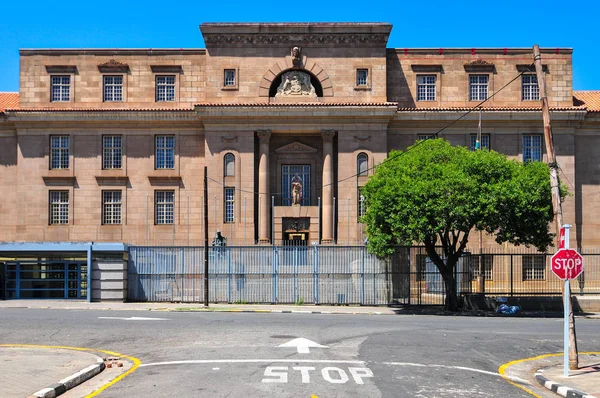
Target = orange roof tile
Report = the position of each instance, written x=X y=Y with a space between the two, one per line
x=589 y=99
x=9 y=100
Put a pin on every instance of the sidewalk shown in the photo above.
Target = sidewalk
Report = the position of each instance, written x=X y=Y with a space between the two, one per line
x=40 y=372
x=546 y=372
x=264 y=308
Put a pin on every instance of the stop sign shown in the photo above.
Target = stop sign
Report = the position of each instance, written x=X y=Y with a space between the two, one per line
x=567 y=264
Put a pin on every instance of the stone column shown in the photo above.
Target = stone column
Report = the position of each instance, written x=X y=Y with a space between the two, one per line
x=263 y=187
x=327 y=201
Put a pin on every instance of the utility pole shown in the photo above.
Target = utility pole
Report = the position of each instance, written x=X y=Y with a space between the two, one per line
x=555 y=186
x=206 y=237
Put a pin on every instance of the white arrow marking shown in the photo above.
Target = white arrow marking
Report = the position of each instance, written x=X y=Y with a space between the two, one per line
x=133 y=318
x=302 y=345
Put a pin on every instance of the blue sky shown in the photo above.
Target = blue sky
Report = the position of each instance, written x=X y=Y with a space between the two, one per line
x=471 y=24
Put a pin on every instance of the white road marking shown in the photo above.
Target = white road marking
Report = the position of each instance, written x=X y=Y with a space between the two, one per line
x=207 y=361
x=215 y=368
x=133 y=318
x=303 y=345
x=331 y=374
x=512 y=378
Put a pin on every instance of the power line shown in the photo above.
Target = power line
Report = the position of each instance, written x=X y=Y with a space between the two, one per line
x=436 y=134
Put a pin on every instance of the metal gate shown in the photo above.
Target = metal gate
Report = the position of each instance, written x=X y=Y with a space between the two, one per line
x=45 y=280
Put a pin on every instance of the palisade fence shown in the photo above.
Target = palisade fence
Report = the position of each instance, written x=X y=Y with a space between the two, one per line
x=338 y=275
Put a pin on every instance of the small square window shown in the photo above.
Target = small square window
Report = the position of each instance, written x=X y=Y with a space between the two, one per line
x=362 y=77
x=534 y=267
x=113 y=88
x=532 y=148
x=230 y=78
x=423 y=137
x=478 y=87
x=165 y=88
x=426 y=87
x=60 y=88
x=530 y=89
x=484 y=144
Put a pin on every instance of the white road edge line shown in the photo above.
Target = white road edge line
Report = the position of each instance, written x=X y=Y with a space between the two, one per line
x=512 y=378
x=204 y=361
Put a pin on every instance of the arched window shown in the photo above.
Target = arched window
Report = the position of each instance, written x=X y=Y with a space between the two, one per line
x=362 y=162
x=229 y=165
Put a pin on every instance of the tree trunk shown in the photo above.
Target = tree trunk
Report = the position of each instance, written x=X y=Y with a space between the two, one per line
x=451 y=303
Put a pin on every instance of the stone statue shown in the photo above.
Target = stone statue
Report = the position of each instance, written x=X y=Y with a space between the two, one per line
x=296 y=190
x=295 y=83
x=296 y=56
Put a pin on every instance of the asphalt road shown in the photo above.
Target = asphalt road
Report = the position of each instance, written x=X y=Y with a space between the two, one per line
x=239 y=355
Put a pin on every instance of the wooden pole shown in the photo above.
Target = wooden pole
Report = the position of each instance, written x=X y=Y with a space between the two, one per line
x=555 y=186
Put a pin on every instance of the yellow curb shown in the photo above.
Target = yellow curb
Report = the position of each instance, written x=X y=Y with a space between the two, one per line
x=503 y=367
x=136 y=361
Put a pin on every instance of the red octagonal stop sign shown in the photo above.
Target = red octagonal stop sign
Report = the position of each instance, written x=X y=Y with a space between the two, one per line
x=567 y=264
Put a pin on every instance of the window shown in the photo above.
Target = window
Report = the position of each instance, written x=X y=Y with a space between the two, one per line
x=111 y=207
x=302 y=175
x=426 y=88
x=532 y=148
x=478 y=87
x=362 y=77
x=362 y=164
x=488 y=263
x=422 y=137
x=59 y=152
x=484 y=144
x=421 y=266
x=229 y=78
x=229 y=165
x=165 y=88
x=59 y=207
x=113 y=88
x=112 y=152
x=530 y=89
x=61 y=88
x=164 y=205
x=362 y=206
x=229 y=201
x=534 y=267
x=165 y=152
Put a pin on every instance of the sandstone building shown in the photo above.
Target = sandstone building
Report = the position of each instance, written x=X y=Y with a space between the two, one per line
x=110 y=145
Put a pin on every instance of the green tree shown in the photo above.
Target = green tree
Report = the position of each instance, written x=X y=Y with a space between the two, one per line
x=435 y=194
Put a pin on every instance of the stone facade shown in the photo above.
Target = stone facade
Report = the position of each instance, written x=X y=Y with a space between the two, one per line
x=222 y=101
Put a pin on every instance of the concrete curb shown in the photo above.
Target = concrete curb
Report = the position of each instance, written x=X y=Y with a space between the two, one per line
x=277 y=311
x=74 y=380
x=559 y=389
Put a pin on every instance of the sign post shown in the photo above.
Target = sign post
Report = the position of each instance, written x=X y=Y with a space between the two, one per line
x=566 y=264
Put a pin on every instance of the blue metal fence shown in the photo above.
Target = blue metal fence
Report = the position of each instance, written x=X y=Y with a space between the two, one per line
x=260 y=274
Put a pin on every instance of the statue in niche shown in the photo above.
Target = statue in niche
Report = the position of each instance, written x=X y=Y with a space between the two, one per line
x=296 y=56
x=296 y=190
x=295 y=83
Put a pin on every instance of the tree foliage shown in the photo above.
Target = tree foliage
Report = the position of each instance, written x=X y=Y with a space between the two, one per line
x=435 y=194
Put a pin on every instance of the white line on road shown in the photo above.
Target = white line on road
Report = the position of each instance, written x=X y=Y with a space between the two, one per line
x=512 y=378
x=204 y=361
x=133 y=318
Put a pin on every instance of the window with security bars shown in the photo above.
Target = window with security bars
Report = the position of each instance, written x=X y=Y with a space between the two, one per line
x=484 y=144
x=164 y=205
x=423 y=137
x=165 y=152
x=426 y=88
x=362 y=164
x=229 y=78
x=60 y=88
x=478 y=87
x=362 y=77
x=59 y=151
x=288 y=173
x=530 y=88
x=229 y=204
x=488 y=264
x=362 y=206
x=534 y=267
x=111 y=207
x=532 y=148
x=59 y=207
x=112 y=152
x=165 y=88
x=113 y=88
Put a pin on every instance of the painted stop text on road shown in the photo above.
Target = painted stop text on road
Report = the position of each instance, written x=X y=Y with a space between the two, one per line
x=306 y=374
